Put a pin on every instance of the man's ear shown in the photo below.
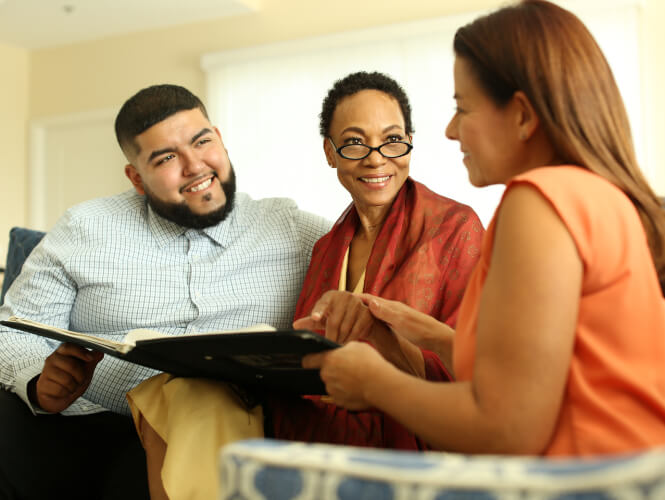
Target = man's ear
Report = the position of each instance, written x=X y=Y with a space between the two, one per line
x=330 y=152
x=527 y=118
x=134 y=177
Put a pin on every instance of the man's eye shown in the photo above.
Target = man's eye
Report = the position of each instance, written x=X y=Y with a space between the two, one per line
x=203 y=141
x=164 y=159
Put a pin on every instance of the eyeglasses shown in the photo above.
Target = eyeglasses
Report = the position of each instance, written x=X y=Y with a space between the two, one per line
x=359 y=151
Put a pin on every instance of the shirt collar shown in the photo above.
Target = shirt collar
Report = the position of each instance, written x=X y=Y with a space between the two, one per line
x=235 y=223
x=162 y=229
x=165 y=231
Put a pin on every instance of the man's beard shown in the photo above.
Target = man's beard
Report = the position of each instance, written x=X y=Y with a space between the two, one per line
x=181 y=214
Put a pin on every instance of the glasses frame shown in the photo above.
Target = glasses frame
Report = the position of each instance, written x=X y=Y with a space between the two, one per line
x=338 y=150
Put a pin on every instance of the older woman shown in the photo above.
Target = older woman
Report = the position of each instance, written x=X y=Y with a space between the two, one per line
x=560 y=341
x=397 y=240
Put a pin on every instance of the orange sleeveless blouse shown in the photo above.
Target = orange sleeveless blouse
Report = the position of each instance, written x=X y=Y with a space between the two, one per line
x=614 y=398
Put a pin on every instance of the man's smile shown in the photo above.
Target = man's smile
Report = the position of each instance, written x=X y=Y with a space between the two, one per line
x=198 y=185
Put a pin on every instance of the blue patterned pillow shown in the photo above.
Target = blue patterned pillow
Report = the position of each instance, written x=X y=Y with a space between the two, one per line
x=21 y=243
x=265 y=469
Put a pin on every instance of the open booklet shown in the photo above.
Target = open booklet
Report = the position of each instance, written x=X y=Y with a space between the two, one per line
x=257 y=358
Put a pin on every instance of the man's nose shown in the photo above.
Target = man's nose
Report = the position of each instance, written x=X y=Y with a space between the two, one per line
x=191 y=163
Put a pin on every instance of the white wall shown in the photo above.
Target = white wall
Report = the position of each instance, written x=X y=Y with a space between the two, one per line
x=13 y=120
x=72 y=158
x=653 y=79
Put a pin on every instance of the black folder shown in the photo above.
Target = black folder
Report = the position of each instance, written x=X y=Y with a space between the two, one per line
x=257 y=360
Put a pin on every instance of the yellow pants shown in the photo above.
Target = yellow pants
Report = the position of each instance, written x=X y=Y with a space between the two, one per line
x=195 y=417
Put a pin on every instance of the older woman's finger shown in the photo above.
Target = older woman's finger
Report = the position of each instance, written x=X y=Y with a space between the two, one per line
x=322 y=305
x=357 y=323
x=308 y=323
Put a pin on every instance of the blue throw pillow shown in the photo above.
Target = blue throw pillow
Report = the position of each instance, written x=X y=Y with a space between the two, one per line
x=21 y=243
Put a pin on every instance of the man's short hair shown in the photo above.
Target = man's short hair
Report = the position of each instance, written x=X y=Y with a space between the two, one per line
x=354 y=83
x=148 y=107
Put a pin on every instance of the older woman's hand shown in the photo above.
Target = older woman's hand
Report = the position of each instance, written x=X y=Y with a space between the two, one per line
x=346 y=372
x=418 y=328
x=343 y=316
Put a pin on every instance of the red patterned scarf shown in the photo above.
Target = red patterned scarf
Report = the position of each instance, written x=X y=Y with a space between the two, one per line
x=423 y=257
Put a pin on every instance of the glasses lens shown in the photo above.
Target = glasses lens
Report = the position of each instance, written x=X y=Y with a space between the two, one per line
x=394 y=149
x=354 y=151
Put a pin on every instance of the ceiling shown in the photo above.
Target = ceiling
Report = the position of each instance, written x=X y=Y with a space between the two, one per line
x=36 y=24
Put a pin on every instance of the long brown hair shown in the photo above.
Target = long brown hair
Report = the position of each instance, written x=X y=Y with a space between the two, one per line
x=547 y=53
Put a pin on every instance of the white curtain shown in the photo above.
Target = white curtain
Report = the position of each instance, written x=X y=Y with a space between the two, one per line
x=266 y=102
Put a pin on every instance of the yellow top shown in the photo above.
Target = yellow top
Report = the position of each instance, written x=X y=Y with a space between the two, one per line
x=342 y=278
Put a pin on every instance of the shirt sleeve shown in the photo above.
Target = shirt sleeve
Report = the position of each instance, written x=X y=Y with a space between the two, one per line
x=310 y=229
x=43 y=292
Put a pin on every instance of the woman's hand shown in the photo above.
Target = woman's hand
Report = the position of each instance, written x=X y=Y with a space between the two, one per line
x=418 y=328
x=346 y=372
x=343 y=316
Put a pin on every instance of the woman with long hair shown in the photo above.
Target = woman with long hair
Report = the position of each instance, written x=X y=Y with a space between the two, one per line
x=560 y=340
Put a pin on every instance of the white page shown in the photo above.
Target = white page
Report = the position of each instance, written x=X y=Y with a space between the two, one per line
x=138 y=334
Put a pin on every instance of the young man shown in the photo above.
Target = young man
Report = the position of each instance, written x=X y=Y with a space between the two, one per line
x=181 y=253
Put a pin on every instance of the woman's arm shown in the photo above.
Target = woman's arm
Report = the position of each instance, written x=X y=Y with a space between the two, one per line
x=526 y=330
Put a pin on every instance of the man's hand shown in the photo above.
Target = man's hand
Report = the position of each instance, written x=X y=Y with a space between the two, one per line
x=66 y=376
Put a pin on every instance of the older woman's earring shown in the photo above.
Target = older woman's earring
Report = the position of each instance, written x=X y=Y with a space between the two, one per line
x=522 y=136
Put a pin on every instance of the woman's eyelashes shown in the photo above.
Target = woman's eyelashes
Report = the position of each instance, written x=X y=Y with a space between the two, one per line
x=359 y=140
x=353 y=140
